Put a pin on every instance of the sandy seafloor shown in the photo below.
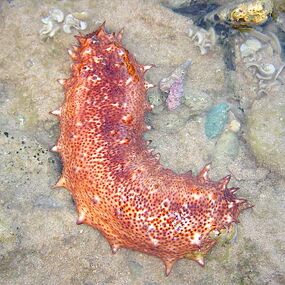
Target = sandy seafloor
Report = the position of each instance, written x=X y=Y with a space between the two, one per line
x=39 y=240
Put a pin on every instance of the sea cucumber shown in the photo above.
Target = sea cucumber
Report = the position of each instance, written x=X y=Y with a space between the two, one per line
x=118 y=185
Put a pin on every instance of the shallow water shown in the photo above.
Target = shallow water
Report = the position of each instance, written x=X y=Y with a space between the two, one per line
x=39 y=241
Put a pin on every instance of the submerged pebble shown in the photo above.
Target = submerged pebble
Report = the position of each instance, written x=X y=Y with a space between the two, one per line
x=250 y=47
x=197 y=100
x=155 y=98
x=173 y=100
x=234 y=126
x=227 y=147
x=216 y=120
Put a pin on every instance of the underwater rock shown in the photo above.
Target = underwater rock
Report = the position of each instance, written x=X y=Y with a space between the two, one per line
x=175 y=94
x=250 y=47
x=279 y=6
x=197 y=100
x=216 y=120
x=173 y=85
x=170 y=122
x=243 y=171
x=266 y=131
x=178 y=73
x=155 y=98
x=234 y=126
x=251 y=13
x=243 y=14
x=281 y=21
x=227 y=147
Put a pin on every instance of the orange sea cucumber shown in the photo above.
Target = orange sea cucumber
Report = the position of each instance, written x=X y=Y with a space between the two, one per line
x=118 y=185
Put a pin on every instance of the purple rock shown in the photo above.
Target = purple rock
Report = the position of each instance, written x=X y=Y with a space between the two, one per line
x=175 y=94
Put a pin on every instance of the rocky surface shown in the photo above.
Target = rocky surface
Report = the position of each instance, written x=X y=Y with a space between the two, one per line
x=266 y=130
x=39 y=241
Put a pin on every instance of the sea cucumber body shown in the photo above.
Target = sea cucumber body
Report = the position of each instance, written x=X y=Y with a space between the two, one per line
x=118 y=185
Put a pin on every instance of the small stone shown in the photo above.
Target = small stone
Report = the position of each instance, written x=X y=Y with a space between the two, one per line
x=155 y=98
x=234 y=126
x=227 y=148
x=173 y=85
x=173 y=100
x=29 y=63
x=198 y=101
x=250 y=47
x=216 y=120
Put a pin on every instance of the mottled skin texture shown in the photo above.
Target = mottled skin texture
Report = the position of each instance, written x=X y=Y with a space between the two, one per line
x=118 y=185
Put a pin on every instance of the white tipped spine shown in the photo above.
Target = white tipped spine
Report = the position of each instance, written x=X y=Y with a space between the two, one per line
x=54 y=148
x=148 y=85
x=81 y=218
x=61 y=81
x=56 y=112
